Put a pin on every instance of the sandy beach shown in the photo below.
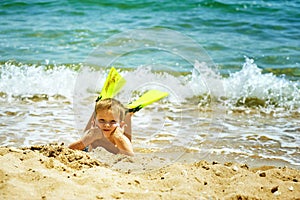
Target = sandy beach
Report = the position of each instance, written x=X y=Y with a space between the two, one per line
x=56 y=172
x=228 y=129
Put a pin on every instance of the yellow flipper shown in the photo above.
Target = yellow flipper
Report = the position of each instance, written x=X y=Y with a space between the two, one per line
x=146 y=99
x=113 y=84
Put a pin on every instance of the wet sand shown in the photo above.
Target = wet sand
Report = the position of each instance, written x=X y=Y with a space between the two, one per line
x=56 y=172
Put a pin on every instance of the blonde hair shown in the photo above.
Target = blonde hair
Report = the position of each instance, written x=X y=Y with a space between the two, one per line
x=113 y=105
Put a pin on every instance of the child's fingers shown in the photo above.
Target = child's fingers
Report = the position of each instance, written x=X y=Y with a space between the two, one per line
x=123 y=125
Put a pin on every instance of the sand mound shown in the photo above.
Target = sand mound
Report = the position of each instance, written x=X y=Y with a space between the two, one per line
x=73 y=159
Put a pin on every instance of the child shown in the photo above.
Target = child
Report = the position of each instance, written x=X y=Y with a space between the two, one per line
x=107 y=129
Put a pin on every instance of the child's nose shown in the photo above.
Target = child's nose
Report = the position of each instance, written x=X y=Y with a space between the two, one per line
x=107 y=124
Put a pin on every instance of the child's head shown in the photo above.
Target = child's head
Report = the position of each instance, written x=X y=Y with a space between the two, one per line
x=109 y=114
x=112 y=105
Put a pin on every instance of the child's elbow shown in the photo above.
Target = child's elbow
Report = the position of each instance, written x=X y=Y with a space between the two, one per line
x=77 y=146
x=128 y=153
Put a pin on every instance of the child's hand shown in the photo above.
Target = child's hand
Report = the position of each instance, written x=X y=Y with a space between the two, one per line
x=121 y=127
x=94 y=132
x=122 y=142
x=118 y=131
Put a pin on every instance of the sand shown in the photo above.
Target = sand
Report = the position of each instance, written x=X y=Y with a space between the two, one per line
x=56 y=172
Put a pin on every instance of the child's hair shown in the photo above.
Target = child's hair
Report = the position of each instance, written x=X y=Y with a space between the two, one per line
x=111 y=104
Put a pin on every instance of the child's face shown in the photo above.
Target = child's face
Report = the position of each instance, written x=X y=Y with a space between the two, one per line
x=107 y=121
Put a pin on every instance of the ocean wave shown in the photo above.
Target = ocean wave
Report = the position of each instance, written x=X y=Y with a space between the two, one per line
x=251 y=87
x=36 y=81
x=247 y=88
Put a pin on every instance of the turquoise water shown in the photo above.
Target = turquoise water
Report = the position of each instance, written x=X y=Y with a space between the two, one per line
x=67 y=31
x=231 y=68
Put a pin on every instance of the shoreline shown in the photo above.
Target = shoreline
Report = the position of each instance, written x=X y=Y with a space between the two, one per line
x=56 y=172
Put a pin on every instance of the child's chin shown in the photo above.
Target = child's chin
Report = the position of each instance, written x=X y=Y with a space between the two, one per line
x=106 y=132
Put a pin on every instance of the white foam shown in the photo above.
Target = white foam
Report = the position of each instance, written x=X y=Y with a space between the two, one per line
x=30 y=80
x=249 y=82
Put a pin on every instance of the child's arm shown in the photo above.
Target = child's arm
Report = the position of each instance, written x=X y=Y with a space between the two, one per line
x=122 y=142
x=127 y=129
x=90 y=136
x=78 y=145
x=89 y=124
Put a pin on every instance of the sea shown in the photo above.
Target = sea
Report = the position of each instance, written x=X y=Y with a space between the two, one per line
x=231 y=68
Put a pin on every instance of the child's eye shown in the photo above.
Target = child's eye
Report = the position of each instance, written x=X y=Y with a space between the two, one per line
x=101 y=120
